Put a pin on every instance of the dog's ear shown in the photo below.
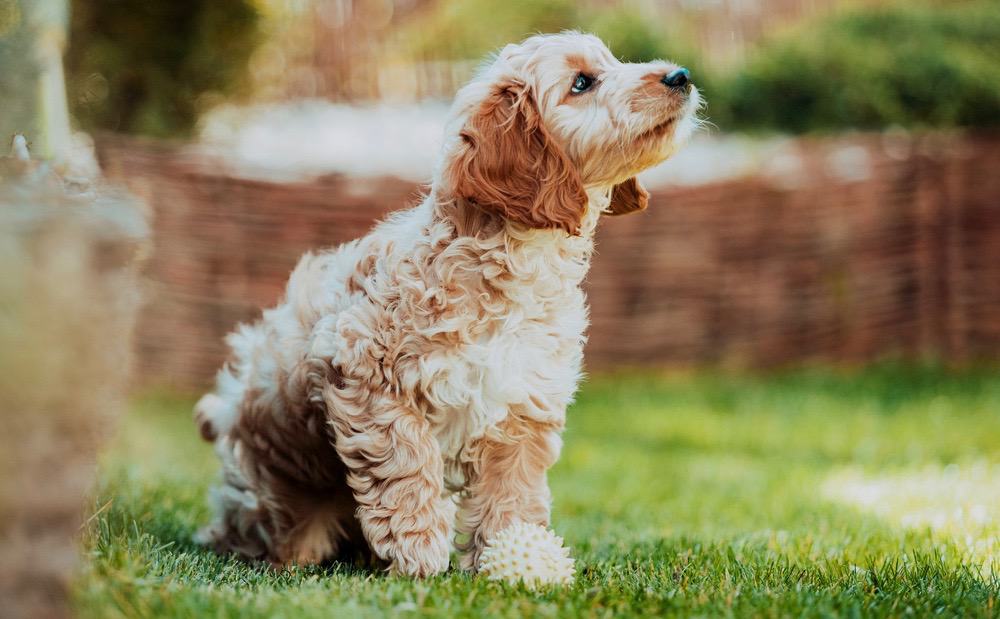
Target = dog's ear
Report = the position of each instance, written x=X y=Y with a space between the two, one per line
x=628 y=197
x=507 y=163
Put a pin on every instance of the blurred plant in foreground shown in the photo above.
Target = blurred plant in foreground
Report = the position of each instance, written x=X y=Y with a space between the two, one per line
x=68 y=300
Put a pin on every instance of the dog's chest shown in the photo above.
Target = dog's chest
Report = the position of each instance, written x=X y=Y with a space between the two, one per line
x=528 y=366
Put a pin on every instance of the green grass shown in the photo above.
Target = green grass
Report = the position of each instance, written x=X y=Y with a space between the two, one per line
x=813 y=492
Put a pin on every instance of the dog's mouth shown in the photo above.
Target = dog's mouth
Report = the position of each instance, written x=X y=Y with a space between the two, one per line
x=663 y=127
x=658 y=131
x=678 y=124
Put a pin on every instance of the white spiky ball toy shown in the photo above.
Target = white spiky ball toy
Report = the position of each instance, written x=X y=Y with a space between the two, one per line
x=527 y=553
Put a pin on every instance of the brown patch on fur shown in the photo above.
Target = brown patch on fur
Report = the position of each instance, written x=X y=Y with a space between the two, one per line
x=652 y=94
x=283 y=452
x=203 y=414
x=509 y=165
x=628 y=197
x=356 y=283
x=471 y=221
x=647 y=94
x=335 y=377
x=578 y=63
x=205 y=429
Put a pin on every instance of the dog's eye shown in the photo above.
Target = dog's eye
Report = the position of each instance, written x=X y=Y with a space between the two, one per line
x=582 y=83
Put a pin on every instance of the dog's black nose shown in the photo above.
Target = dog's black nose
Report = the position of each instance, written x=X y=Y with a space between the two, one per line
x=678 y=78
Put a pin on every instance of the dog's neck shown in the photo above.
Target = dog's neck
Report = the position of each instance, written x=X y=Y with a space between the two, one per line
x=519 y=250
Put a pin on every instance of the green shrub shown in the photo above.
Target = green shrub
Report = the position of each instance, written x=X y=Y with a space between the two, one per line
x=470 y=29
x=150 y=67
x=923 y=66
x=454 y=30
x=630 y=37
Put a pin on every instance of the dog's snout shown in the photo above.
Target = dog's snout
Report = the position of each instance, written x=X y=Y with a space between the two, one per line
x=677 y=79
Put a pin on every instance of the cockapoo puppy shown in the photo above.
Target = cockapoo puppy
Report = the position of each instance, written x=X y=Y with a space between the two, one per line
x=429 y=364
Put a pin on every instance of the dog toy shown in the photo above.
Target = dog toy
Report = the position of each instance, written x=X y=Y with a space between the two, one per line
x=527 y=553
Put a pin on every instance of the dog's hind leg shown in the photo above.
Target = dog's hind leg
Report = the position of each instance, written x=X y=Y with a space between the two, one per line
x=311 y=529
x=239 y=522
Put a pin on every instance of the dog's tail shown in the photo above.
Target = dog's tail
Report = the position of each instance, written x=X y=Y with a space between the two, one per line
x=216 y=412
x=207 y=414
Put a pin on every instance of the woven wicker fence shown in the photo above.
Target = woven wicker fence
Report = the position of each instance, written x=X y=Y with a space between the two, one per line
x=897 y=257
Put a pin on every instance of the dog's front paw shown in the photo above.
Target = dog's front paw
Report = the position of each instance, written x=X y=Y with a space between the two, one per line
x=469 y=562
x=420 y=554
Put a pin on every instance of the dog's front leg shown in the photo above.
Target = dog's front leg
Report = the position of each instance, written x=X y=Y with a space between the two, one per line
x=506 y=482
x=397 y=475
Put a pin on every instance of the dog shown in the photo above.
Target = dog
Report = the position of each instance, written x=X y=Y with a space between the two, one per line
x=412 y=385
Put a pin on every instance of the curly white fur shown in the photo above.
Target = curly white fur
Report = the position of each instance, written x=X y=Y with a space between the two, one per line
x=438 y=354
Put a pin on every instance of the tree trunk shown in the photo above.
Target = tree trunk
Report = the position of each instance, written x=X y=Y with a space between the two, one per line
x=32 y=39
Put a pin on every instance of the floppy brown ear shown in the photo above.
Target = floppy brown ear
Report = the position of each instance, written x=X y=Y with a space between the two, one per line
x=628 y=197
x=508 y=164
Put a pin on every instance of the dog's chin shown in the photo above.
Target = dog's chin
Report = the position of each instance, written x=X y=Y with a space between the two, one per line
x=663 y=139
x=668 y=135
x=687 y=123
x=673 y=133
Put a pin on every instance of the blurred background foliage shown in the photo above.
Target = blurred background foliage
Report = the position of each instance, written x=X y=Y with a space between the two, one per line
x=473 y=28
x=151 y=67
x=910 y=65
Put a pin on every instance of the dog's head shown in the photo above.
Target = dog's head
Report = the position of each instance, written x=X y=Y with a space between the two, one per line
x=559 y=114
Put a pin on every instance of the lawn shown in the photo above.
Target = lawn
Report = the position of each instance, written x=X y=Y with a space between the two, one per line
x=808 y=492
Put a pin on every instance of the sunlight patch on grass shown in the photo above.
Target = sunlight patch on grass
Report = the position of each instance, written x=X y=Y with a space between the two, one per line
x=957 y=503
